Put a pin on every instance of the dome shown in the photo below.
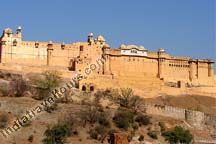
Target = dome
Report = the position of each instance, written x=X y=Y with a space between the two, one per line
x=122 y=46
x=142 y=48
x=50 y=42
x=19 y=27
x=90 y=34
x=132 y=46
x=161 y=50
x=8 y=30
x=101 y=38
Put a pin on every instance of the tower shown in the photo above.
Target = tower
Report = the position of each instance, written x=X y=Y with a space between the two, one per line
x=19 y=32
x=49 y=53
x=90 y=38
x=161 y=52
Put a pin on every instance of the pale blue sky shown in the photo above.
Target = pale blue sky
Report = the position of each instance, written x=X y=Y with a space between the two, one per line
x=182 y=27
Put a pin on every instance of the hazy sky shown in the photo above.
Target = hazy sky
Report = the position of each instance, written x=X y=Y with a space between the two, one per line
x=182 y=27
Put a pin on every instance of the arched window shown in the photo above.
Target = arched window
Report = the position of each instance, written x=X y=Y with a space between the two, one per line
x=83 y=88
x=15 y=42
x=91 y=88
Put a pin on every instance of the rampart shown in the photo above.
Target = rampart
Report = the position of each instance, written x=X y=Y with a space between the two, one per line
x=195 y=118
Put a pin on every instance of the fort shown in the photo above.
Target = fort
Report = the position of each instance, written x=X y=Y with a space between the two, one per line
x=127 y=65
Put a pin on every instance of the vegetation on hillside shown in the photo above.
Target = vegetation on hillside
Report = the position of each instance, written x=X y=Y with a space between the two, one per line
x=50 y=79
x=178 y=135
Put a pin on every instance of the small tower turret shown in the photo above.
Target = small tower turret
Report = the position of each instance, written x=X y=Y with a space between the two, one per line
x=161 y=52
x=90 y=38
x=19 y=32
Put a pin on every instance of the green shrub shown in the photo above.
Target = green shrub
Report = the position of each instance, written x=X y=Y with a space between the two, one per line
x=135 y=126
x=56 y=134
x=104 y=121
x=50 y=79
x=124 y=97
x=127 y=99
x=141 y=138
x=129 y=138
x=123 y=119
x=89 y=115
x=162 y=127
x=93 y=134
x=143 y=119
x=178 y=135
x=152 y=134
x=101 y=130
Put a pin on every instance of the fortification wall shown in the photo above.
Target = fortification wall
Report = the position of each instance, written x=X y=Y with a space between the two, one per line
x=195 y=118
x=133 y=65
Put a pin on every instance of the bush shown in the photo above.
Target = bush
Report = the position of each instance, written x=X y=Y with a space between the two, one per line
x=129 y=138
x=51 y=108
x=152 y=134
x=124 y=97
x=141 y=138
x=143 y=119
x=127 y=99
x=178 y=135
x=101 y=130
x=93 y=134
x=135 y=126
x=162 y=127
x=3 y=120
x=48 y=81
x=31 y=138
x=56 y=134
x=70 y=120
x=107 y=93
x=123 y=119
x=17 y=87
x=103 y=120
x=90 y=115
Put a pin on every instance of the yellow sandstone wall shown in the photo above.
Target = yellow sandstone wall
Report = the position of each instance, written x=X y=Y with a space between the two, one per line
x=77 y=56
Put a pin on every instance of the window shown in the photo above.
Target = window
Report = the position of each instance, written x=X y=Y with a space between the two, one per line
x=83 y=88
x=91 y=88
x=133 y=51
x=81 y=48
x=15 y=42
x=36 y=45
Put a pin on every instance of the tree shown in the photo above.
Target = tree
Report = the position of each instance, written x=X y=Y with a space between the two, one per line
x=127 y=99
x=90 y=115
x=123 y=119
x=135 y=103
x=49 y=80
x=125 y=96
x=56 y=134
x=143 y=119
x=178 y=135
